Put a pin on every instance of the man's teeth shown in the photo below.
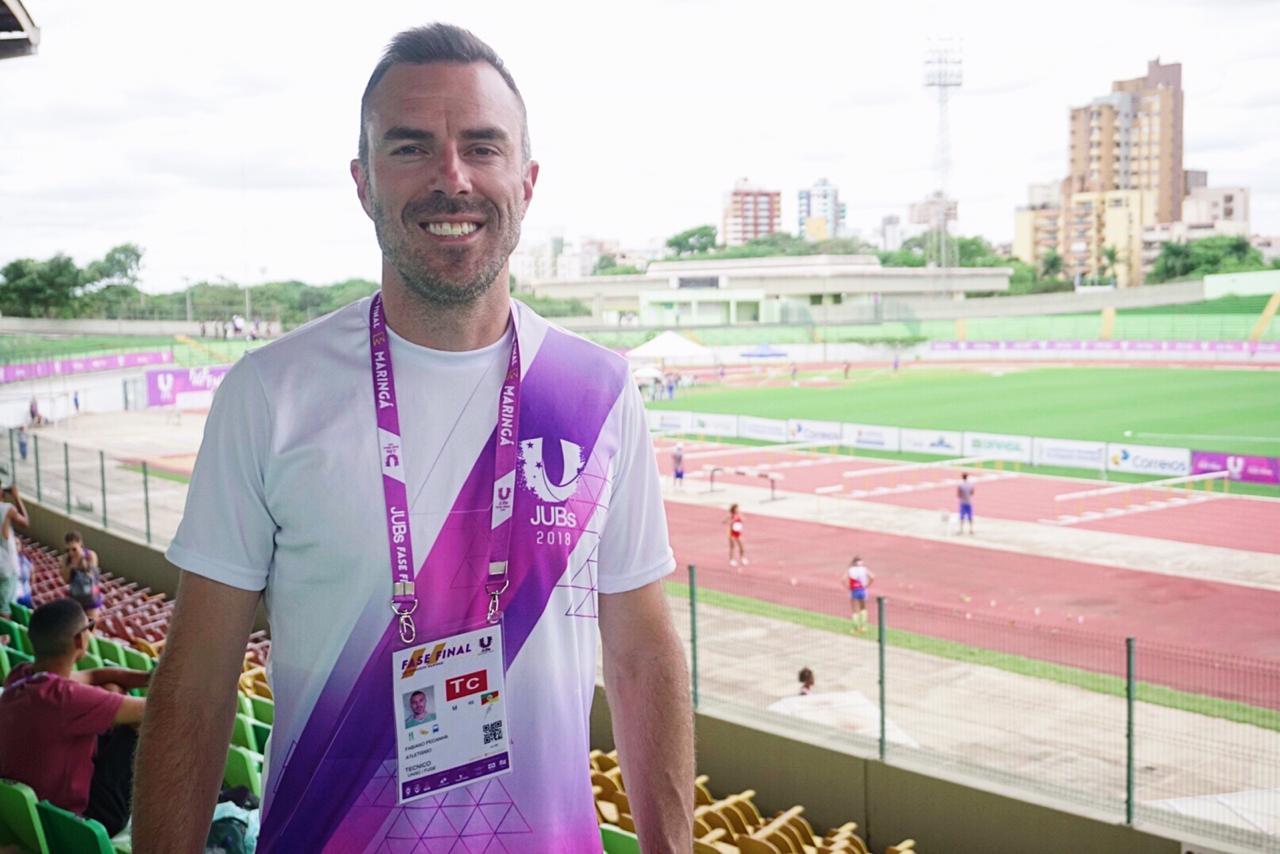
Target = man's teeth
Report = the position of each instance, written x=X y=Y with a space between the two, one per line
x=451 y=229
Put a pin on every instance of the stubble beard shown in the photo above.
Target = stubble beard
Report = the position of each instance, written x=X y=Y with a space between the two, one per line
x=426 y=271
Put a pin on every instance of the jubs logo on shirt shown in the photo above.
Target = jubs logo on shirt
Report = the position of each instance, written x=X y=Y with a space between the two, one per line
x=537 y=474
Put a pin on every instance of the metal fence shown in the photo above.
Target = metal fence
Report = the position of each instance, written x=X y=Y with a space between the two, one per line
x=1147 y=733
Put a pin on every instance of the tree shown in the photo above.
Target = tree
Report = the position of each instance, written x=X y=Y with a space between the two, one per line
x=693 y=241
x=1051 y=264
x=603 y=263
x=40 y=288
x=1110 y=260
x=1220 y=254
x=119 y=266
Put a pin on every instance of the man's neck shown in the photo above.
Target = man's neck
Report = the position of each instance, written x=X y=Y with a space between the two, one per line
x=59 y=666
x=455 y=328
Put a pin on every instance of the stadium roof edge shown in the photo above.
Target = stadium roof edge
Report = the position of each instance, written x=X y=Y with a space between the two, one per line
x=19 y=35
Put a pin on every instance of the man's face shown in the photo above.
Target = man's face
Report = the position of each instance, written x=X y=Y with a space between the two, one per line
x=445 y=182
x=418 y=702
x=74 y=549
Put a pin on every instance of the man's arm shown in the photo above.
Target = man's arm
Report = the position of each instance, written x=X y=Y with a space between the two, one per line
x=125 y=677
x=189 y=712
x=130 y=713
x=647 y=682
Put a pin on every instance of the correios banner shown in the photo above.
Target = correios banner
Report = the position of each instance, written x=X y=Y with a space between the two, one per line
x=1149 y=460
x=804 y=430
x=998 y=446
x=670 y=420
x=765 y=429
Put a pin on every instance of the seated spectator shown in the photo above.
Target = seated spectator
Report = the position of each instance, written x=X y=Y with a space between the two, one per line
x=80 y=572
x=806 y=681
x=70 y=735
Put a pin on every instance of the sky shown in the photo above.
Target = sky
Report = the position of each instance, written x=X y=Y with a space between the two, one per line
x=218 y=136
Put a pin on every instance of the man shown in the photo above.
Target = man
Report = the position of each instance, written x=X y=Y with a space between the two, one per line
x=569 y=534
x=418 y=714
x=13 y=515
x=964 y=492
x=70 y=734
x=677 y=466
x=859 y=578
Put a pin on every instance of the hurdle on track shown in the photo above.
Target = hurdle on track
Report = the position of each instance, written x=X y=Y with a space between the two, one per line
x=1189 y=479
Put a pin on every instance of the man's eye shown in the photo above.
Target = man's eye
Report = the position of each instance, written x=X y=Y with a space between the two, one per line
x=408 y=149
x=485 y=151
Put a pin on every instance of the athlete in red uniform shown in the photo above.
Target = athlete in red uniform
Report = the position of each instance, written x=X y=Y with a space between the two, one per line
x=735 y=536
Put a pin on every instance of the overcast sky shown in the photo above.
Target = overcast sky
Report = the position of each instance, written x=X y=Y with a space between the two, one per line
x=217 y=136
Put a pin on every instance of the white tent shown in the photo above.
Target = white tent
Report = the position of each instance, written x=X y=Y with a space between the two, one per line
x=669 y=347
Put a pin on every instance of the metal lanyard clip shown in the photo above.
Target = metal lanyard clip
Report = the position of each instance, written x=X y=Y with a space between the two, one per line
x=408 y=631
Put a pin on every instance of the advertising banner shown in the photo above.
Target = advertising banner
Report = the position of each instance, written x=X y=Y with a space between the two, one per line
x=1226 y=346
x=1149 y=460
x=186 y=388
x=83 y=365
x=998 y=446
x=981 y=345
x=670 y=420
x=1024 y=345
x=1184 y=346
x=765 y=429
x=1103 y=345
x=1248 y=469
x=804 y=430
x=1070 y=453
x=1064 y=345
x=942 y=443
x=871 y=436
x=710 y=424
x=944 y=345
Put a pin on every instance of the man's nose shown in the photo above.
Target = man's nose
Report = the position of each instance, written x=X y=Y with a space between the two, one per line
x=452 y=177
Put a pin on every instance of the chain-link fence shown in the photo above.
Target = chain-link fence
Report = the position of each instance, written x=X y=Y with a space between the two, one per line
x=1185 y=738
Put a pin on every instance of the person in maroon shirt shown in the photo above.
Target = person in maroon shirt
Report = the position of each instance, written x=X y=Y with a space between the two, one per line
x=70 y=735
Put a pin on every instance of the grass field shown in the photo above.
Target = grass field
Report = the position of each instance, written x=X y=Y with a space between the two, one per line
x=1237 y=411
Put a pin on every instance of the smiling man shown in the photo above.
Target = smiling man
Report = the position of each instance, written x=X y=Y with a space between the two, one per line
x=499 y=515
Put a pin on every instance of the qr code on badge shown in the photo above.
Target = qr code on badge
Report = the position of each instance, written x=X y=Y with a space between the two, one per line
x=493 y=732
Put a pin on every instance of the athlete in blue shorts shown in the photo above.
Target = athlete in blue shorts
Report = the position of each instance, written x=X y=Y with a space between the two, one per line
x=677 y=466
x=860 y=579
x=964 y=491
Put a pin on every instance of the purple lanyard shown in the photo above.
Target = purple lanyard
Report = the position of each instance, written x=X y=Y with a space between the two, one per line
x=404 y=600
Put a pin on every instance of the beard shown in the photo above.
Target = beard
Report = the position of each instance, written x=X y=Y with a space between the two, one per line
x=444 y=275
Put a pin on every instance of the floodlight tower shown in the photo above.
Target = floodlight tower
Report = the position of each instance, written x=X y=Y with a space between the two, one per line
x=942 y=72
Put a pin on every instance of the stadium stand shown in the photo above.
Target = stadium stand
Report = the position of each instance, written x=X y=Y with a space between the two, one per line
x=131 y=634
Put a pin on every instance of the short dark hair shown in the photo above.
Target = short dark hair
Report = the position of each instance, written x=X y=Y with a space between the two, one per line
x=416 y=693
x=438 y=43
x=806 y=675
x=73 y=537
x=54 y=627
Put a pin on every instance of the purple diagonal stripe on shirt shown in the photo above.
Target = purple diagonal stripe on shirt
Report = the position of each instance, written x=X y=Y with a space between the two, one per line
x=568 y=392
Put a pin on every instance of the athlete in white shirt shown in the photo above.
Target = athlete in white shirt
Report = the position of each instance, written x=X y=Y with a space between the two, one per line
x=289 y=504
x=860 y=579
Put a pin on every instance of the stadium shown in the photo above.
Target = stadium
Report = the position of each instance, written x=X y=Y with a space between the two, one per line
x=1092 y=663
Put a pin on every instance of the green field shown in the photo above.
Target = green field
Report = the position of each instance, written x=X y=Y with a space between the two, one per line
x=1212 y=410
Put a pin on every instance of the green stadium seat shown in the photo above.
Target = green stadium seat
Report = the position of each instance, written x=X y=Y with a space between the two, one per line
x=17 y=635
x=244 y=768
x=137 y=660
x=618 y=841
x=112 y=652
x=261 y=732
x=11 y=658
x=21 y=614
x=263 y=709
x=19 y=820
x=88 y=662
x=68 y=832
x=242 y=733
x=94 y=649
x=243 y=706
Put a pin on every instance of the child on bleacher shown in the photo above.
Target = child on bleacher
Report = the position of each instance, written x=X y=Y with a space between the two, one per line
x=80 y=572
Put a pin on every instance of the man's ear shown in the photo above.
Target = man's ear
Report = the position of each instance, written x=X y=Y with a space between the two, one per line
x=359 y=175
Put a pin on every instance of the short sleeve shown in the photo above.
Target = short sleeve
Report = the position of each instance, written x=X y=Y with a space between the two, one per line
x=86 y=709
x=634 y=547
x=227 y=532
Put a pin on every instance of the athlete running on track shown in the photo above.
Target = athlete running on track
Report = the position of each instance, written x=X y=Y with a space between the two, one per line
x=735 y=536
x=860 y=579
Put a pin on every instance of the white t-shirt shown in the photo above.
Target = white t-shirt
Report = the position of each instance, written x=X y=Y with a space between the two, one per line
x=8 y=546
x=858 y=576
x=286 y=496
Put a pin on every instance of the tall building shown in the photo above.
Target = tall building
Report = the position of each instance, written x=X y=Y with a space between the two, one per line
x=751 y=212
x=1037 y=226
x=1216 y=204
x=821 y=214
x=1131 y=139
x=891 y=233
x=1096 y=222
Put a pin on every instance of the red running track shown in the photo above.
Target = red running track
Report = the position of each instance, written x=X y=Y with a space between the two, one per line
x=1213 y=519
x=1200 y=636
